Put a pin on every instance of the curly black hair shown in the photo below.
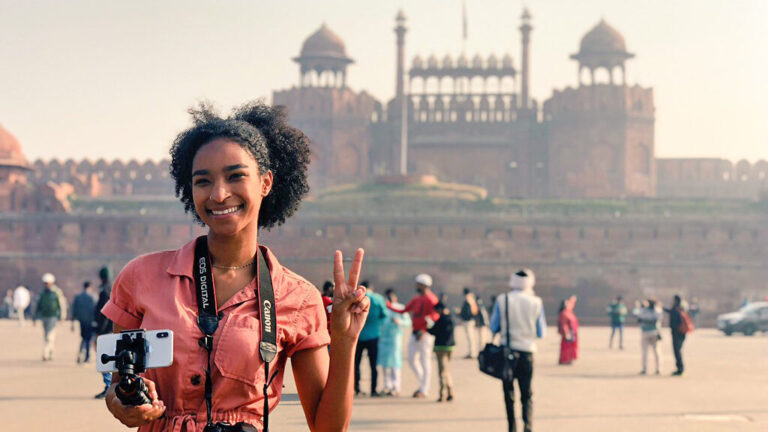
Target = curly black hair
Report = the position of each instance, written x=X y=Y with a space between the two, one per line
x=263 y=131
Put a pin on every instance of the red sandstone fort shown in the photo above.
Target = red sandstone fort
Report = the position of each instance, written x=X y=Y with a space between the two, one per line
x=570 y=187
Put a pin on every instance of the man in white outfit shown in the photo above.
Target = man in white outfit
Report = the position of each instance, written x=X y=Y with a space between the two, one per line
x=21 y=299
x=524 y=312
x=421 y=344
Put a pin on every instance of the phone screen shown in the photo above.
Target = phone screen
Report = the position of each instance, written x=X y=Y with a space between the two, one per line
x=159 y=348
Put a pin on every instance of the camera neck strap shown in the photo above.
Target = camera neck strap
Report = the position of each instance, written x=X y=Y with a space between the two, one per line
x=506 y=316
x=208 y=317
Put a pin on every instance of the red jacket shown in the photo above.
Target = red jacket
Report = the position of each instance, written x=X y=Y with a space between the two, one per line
x=421 y=307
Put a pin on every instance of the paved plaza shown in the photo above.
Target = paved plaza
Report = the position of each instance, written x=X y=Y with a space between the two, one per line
x=725 y=389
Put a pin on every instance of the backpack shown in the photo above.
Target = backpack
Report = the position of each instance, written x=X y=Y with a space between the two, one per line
x=686 y=323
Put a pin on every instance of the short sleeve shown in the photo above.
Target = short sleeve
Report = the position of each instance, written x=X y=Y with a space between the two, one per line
x=310 y=326
x=121 y=307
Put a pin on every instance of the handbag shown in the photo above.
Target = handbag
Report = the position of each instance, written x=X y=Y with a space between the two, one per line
x=495 y=360
x=491 y=360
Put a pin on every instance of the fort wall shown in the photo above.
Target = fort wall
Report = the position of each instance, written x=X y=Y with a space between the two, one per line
x=719 y=260
x=106 y=178
x=712 y=178
x=706 y=178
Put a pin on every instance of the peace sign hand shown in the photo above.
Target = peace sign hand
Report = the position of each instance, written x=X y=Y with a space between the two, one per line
x=350 y=304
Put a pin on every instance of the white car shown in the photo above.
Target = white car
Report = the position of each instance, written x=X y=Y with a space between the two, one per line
x=748 y=320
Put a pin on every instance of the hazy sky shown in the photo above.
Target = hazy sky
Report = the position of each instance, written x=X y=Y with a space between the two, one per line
x=113 y=79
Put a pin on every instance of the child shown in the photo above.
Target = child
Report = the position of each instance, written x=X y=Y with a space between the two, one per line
x=442 y=329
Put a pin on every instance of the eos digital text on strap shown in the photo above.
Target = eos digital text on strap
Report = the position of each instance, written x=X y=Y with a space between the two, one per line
x=208 y=322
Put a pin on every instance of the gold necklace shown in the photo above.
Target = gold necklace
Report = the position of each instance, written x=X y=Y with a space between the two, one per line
x=233 y=267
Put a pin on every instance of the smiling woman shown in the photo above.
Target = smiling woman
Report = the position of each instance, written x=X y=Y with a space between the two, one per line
x=236 y=175
x=262 y=131
x=228 y=187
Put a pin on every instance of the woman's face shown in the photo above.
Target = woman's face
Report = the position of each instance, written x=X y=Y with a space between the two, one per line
x=226 y=186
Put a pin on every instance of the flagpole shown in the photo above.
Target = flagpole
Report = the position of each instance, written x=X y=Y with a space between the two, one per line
x=463 y=26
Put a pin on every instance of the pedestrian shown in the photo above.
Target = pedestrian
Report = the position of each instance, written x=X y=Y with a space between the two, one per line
x=618 y=313
x=491 y=306
x=21 y=300
x=693 y=310
x=391 y=346
x=101 y=324
x=82 y=311
x=442 y=330
x=680 y=323
x=468 y=314
x=7 y=310
x=327 y=297
x=421 y=343
x=238 y=175
x=369 y=338
x=519 y=313
x=482 y=321
x=649 y=316
x=568 y=327
x=51 y=307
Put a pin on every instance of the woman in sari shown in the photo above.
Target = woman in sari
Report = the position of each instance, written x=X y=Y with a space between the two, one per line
x=568 y=327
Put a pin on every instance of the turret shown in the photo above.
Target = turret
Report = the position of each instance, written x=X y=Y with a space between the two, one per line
x=525 y=31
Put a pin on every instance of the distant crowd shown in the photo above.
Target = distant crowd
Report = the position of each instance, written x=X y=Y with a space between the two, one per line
x=51 y=306
x=517 y=317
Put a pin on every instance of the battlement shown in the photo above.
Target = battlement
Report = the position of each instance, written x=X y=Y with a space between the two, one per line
x=326 y=101
x=106 y=178
x=712 y=178
x=462 y=67
x=464 y=108
x=600 y=98
x=676 y=177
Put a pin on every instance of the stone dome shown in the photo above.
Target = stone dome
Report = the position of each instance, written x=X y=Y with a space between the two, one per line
x=603 y=39
x=603 y=46
x=447 y=62
x=324 y=43
x=10 y=151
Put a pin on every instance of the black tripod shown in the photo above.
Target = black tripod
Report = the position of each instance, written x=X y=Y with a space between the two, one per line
x=130 y=359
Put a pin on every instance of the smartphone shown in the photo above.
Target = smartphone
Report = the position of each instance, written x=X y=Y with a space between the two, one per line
x=159 y=346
